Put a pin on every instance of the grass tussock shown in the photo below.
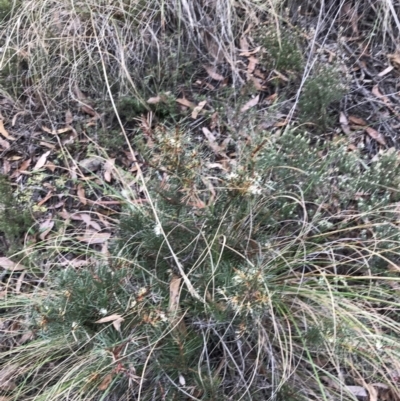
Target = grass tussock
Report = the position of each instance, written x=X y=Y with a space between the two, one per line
x=233 y=258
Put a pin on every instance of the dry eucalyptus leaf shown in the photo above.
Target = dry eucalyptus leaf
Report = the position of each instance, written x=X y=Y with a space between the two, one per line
x=174 y=287
x=154 y=100
x=252 y=64
x=91 y=164
x=186 y=103
x=344 y=122
x=358 y=391
x=4 y=132
x=395 y=58
x=211 y=140
x=68 y=117
x=45 y=228
x=249 y=53
x=386 y=71
x=105 y=383
x=110 y=318
x=182 y=380
x=108 y=168
x=4 y=144
x=6 y=373
x=94 y=237
x=81 y=194
x=114 y=319
x=89 y=110
x=8 y=264
x=374 y=134
x=251 y=103
x=198 y=109
x=357 y=121
x=244 y=45
x=213 y=74
x=41 y=161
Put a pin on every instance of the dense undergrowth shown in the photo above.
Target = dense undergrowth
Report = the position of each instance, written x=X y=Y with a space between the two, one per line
x=248 y=257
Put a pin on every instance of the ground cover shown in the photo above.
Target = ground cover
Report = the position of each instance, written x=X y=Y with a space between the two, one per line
x=199 y=200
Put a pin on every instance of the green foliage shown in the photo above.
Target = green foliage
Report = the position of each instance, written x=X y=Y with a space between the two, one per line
x=283 y=51
x=7 y=7
x=276 y=215
x=280 y=247
x=15 y=219
x=243 y=268
x=322 y=89
x=79 y=298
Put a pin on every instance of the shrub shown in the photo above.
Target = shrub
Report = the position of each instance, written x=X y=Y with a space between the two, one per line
x=320 y=91
x=15 y=219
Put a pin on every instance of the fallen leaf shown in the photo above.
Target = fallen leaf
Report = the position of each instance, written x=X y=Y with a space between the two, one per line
x=357 y=121
x=257 y=83
x=251 y=103
x=357 y=391
x=174 y=286
x=250 y=52
x=56 y=131
x=48 y=130
x=173 y=307
x=68 y=117
x=76 y=263
x=85 y=217
x=252 y=64
x=211 y=140
x=372 y=391
x=213 y=74
x=24 y=165
x=8 y=264
x=6 y=167
x=114 y=319
x=386 y=71
x=81 y=194
x=105 y=383
x=45 y=228
x=47 y=144
x=280 y=75
x=4 y=132
x=14 y=158
x=344 y=123
x=78 y=93
x=395 y=58
x=259 y=74
x=94 y=237
x=379 y=95
x=24 y=338
x=244 y=45
x=91 y=164
x=198 y=109
x=182 y=380
x=50 y=166
x=41 y=161
x=19 y=282
x=7 y=372
x=14 y=119
x=110 y=318
x=186 y=103
x=46 y=198
x=108 y=168
x=374 y=134
x=89 y=110
x=4 y=144
x=154 y=100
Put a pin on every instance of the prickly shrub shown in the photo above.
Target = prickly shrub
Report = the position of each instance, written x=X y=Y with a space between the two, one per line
x=320 y=91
